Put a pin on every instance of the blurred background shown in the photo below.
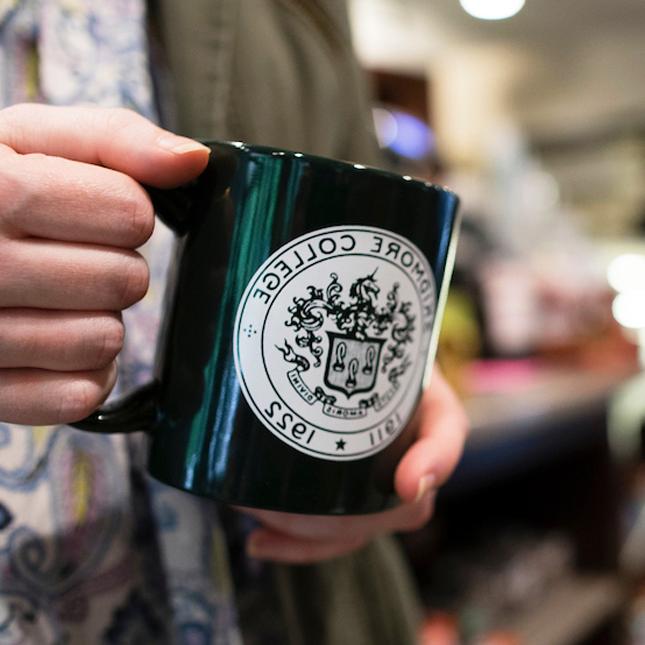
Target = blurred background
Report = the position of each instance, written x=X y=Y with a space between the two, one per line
x=537 y=121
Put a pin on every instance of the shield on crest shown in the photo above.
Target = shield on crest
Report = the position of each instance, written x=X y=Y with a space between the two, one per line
x=352 y=364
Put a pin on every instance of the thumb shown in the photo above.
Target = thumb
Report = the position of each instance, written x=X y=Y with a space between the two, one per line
x=112 y=137
x=442 y=430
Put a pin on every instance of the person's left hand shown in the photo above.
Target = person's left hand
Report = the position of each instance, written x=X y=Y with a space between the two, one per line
x=300 y=539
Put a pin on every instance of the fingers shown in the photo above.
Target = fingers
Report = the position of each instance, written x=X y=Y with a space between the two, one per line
x=293 y=538
x=49 y=275
x=267 y=544
x=58 y=199
x=443 y=427
x=115 y=138
x=405 y=517
x=59 y=340
x=41 y=397
x=71 y=211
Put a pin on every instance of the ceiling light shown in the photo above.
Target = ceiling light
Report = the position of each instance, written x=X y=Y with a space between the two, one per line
x=627 y=272
x=492 y=9
x=629 y=309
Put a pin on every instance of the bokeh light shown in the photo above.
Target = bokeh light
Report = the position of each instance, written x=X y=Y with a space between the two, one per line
x=492 y=9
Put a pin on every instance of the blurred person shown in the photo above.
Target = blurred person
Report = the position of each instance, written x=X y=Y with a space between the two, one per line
x=92 y=550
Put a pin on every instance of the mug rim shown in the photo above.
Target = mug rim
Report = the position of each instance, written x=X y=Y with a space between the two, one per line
x=349 y=165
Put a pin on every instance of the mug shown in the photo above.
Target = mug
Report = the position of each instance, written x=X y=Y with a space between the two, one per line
x=302 y=310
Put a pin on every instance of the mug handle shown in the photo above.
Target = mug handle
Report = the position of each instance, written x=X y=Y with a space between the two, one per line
x=136 y=411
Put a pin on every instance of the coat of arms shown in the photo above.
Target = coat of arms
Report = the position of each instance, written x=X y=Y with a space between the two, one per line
x=332 y=336
x=358 y=342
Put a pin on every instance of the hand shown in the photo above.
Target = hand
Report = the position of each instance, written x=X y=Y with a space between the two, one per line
x=71 y=213
x=299 y=539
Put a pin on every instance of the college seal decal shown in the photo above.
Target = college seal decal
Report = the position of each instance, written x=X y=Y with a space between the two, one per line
x=331 y=339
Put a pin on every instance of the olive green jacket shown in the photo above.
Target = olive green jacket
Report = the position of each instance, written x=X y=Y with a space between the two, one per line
x=282 y=73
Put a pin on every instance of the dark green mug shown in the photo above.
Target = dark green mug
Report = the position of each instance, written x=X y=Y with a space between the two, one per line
x=301 y=313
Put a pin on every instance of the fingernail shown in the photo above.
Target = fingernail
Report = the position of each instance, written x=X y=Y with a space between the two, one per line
x=181 y=145
x=426 y=483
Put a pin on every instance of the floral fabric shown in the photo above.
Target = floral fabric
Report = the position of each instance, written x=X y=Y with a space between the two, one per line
x=92 y=550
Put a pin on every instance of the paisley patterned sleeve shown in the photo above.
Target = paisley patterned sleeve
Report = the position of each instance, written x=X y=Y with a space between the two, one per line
x=92 y=550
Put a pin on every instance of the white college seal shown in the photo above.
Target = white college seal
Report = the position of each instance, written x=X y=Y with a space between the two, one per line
x=331 y=339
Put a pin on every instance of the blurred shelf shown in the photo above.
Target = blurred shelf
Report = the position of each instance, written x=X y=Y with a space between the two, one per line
x=551 y=393
x=573 y=610
x=539 y=458
x=557 y=412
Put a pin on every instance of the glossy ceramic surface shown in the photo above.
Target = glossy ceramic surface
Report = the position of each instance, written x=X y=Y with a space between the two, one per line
x=249 y=202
